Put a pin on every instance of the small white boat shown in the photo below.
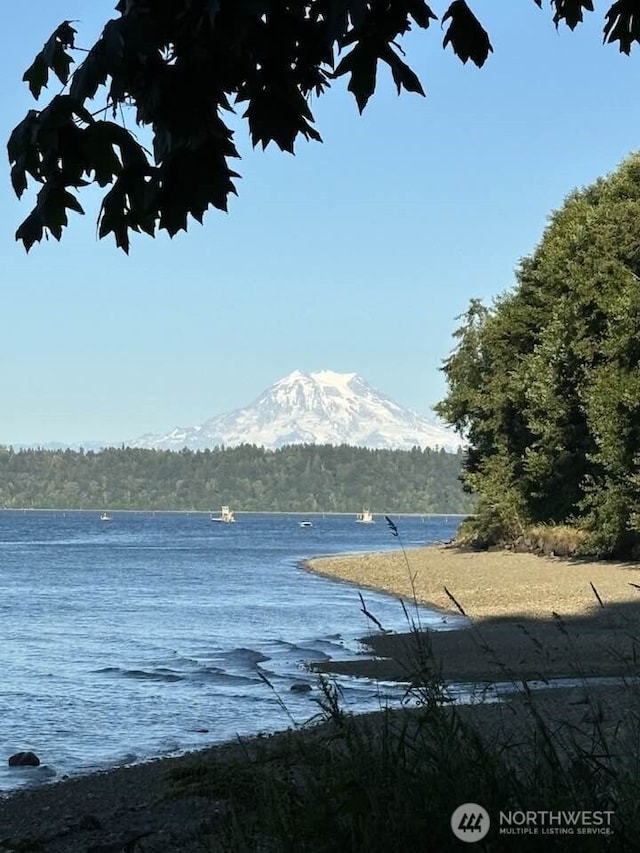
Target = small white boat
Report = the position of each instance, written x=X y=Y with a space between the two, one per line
x=226 y=516
x=306 y=524
x=365 y=517
x=106 y=517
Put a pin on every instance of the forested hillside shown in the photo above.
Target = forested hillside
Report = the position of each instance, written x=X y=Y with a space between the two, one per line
x=545 y=384
x=305 y=478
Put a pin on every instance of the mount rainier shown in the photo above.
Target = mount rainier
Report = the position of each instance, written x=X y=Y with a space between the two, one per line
x=312 y=408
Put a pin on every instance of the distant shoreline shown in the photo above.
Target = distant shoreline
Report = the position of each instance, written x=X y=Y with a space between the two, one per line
x=314 y=513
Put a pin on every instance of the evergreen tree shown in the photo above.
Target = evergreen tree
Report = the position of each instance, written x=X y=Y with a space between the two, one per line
x=546 y=383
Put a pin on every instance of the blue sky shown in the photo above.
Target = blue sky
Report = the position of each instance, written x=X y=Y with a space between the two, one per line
x=354 y=255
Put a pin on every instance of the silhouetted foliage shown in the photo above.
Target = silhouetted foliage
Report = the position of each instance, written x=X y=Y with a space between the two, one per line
x=180 y=65
x=298 y=478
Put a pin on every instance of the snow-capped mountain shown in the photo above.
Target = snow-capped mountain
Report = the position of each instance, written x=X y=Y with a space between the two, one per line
x=312 y=408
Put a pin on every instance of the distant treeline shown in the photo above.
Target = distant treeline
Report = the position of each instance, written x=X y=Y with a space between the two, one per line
x=305 y=478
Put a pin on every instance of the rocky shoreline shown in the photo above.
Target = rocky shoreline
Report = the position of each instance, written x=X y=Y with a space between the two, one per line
x=128 y=808
x=143 y=809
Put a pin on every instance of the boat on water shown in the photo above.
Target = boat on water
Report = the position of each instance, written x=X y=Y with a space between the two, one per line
x=305 y=523
x=365 y=517
x=106 y=517
x=226 y=516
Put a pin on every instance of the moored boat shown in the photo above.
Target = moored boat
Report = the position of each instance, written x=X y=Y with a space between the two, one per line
x=226 y=516
x=365 y=517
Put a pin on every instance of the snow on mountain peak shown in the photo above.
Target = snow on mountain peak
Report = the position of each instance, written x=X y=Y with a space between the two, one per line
x=324 y=407
x=331 y=379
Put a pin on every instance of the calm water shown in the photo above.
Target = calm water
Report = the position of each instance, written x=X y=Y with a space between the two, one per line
x=123 y=640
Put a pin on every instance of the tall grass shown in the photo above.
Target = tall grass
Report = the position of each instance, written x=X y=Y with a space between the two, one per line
x=390 y=781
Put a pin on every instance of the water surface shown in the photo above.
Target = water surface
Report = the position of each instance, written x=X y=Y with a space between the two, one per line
x=148 y=634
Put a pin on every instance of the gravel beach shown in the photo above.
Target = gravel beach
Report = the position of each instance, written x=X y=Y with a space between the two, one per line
x=530 y=617
x=488 y=583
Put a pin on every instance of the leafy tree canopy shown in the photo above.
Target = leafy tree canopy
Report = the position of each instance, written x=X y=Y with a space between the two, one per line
x=182 y=64
x=546 y=384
